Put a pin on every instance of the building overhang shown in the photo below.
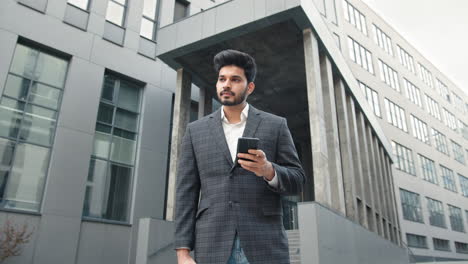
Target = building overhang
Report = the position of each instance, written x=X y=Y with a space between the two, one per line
x=271 y=30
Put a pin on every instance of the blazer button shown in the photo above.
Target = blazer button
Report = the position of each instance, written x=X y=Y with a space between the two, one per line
x=230 y=203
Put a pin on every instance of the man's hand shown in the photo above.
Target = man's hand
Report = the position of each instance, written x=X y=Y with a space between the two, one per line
x=183 y=257
x=258 y=163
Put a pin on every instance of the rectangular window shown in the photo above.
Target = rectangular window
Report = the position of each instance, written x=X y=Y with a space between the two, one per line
x=436 y=213
x=425 y=75
x=395 y=115
x=382 y=39
x=354 y=17
x=406 y=59
x=416 y=241
x=448 y=179
x=456 y=218
x=443 y=90
x=463 y=186
x=461 y=247
x=108 y=189
x=116 y=11
x=149 y=22
x=441 y=244
x=83 y=4
x=389 y=76
x=404 y=158
x=449 y=120
x=458 y=152
x=181 y=9
x=411 y=206
x=28 y=115
x=429 y=170
x=432 y=107
x=459 y=104
x=372 y=98
x=360 y=55
x=440 y=141
x=412 y=92
x=420 y=130
x=463 y=129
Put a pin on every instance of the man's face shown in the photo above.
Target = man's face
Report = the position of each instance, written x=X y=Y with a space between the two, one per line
x=232 y=86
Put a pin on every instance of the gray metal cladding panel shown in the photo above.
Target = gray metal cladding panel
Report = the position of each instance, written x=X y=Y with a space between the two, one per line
x=76 y=17
x=39 y=5
x=147 y=48
x=114 y=33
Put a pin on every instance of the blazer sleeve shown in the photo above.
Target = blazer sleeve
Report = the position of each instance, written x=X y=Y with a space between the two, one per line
x=291 y=176
x=187 y=194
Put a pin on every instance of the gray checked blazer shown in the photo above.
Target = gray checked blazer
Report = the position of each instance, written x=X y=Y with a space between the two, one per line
x=215 y=199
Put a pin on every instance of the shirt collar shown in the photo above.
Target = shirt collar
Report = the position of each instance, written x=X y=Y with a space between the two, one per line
x=243 y=117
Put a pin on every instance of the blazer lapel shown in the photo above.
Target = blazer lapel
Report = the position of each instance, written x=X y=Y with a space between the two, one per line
x=253 y=120
x=217 y=132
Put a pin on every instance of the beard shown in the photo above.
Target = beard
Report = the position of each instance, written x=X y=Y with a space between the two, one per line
x=238 y=99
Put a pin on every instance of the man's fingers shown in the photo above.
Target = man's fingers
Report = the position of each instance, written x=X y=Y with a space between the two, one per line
x=257 y=152
x=249 y=164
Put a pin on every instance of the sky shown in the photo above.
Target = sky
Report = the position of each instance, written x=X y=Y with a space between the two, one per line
x=438 y=29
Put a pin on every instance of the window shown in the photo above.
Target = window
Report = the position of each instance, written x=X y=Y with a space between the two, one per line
x=458 y=152
x=381 y=39
x=432 y=107
x=416 y=241
x=372 y=98
x=28 y=116
x=448 y=179
x=411 y=206
x=441 y=244
x=461 y=247
x=354 y=17
x=436 y=213
x=395 y=115
x=181 y=9
x=420 y=130
x=116 y=10
x=449 y=120
x=360 y=55
x=149 y=22
x=463 y=186
x=456 y=218
x=459 y=103
x=389 y=76
x=108 y=189
x=428 y=169
x=404 y=158
x=425 y=75
x=83 y=4
x=440 y=141
x=463 y=129
x=412 y=93
x=443 y=90
x=406 y=59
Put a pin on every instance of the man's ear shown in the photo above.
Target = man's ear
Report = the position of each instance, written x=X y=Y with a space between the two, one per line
x=250 y=87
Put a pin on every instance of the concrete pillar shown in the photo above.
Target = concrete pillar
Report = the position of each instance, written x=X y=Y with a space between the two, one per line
x=356 y=156
x=375 y=179
x=382 y=187
x=368 y=191
x=333 y=144
x=204 y=103
x=180 y=120
x=346 y=151
x=316 y=119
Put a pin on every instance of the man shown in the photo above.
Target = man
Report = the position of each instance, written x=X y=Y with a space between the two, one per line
x=226 y=212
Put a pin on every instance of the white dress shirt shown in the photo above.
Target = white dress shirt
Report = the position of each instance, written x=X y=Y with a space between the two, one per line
x=234 y=131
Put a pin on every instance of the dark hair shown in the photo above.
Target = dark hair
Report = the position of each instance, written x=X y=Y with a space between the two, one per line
x=237 y=58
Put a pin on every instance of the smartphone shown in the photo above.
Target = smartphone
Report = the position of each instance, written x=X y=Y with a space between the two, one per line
x=244 y=144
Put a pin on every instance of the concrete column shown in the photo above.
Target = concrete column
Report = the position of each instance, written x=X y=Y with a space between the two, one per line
x=356 y=157
x=368 y=191
x=382 y=186
x=346 y=151
x=179 y=124
x=321 y=173
x=375 y=179
x=204 y=103
x=333 y=144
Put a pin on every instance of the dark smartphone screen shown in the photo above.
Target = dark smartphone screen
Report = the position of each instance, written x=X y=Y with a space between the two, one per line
x=244 y=144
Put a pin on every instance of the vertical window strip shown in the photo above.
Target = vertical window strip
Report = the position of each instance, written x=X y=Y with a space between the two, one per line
x=412 y=92
x=436 y=213
x=443 y=90
x=449 y=120
x=116 y=12
x=382 y=40
x=429 y=170
x=420 y=130
x=441 y=141
x=388 y=75
x=149 y=22
x=360 y=55
x=463 y=186
x=448 y=179
x=456 y=219
x=354 y=17
x=432 y=107
x=458 y=154
x=405 y=160
x=396 y=115
x=406 y=59
x=425 y=75
x=372 y=98
x=411 y=206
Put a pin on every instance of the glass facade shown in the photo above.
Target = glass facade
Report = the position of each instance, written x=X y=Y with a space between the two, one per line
x=372 y=98
x=395 y=115
x=354 y=17
x=116 y=12
x=406 y=59
x=428 y=169
x=456 y=218
x=425 y=75
x=440 y=141
x=28 y=116
x=441 y=244
x=411 y=206
x=412 y=92
x=448 y=179
x=420 y=130
x=404 y=157
x=111 y=169
x=360 y=55
x=416 y=241
x=149 y=21
x=436 y=213
x=382 y=40
x=463 y=186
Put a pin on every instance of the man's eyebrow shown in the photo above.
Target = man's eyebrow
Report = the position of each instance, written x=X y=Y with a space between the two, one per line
x=238 y=76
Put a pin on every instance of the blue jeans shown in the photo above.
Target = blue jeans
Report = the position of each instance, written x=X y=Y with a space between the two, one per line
x=237 y=254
